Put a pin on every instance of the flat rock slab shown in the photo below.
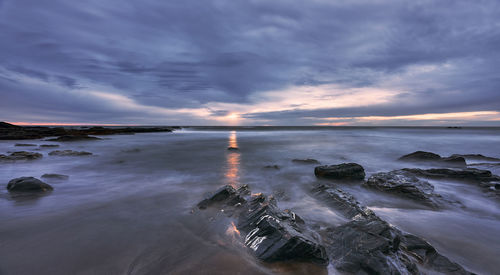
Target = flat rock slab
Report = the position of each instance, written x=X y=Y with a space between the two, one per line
x=55 y=176
x=21 y=155
x=344 y=171
x=24 y=145
x=49 y=145
x=28 y=184
x=66 y=153
x=305 y=161
x=404 y=184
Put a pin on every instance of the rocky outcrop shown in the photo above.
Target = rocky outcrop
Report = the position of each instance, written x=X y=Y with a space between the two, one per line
x=21 y=155
x=305 y=161
x=483 y=178
x=66 y=153
x=13 y=132
x=368 y=245
x=67 y=138
x=405 y=184
x=272 y=234
x=344 y=171
x=55 y=176
x=428 y=157
x=276 y=235
x=28 y=184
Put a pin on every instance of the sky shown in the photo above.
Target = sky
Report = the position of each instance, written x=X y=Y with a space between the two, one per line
x=254 y=62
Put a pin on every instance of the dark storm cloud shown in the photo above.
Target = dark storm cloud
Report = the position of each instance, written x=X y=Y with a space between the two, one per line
x=185 y=54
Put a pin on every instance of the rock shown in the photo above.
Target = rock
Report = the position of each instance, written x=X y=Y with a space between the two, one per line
x=276 y=235
x=226 y=194
x=21 y=155
x=27 y=184
x=276 y=167
x=74 y=138
x=341 y=201
x=272 y=234
x=344 y=171
x=232 y=148
x=55 y=176
x=469 y=174
x=421 y=156
x=305 y=161
x=404 y=184
x=476 y=157
x=24 y=144
x=69 y=153
x=368 y=245
x=49 y=145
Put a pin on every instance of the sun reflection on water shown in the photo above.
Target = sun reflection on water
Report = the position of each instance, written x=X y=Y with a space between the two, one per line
x=232 y=161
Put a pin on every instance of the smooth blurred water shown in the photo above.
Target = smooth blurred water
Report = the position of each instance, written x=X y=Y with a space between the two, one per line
x=127 y=208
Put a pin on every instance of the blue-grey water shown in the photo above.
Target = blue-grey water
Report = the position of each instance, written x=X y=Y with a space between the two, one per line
x=127 y=208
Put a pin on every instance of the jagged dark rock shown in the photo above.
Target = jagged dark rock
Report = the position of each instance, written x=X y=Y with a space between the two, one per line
x=276 y=235
x=404 y=184
x=28 y=184
x=344 y=171
x=368 y=245
x=305 y=161
x=272 y=234
x=21 y=155
x=422 y=156
x=55 y=176
x=65 y=153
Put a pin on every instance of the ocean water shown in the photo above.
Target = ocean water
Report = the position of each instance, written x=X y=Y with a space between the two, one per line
x=128 y=208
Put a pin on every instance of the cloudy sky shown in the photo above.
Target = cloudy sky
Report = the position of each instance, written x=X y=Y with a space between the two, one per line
x=254 y=62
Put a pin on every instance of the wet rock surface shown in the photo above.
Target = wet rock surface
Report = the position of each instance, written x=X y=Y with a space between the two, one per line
x=66 y=153
x=55 y=176
x=21 y=155
x=13 y=132
x=368 y=245
x=477 y=157
x=432 y=158
x=49 y=145
x=272 y=234
x=305 y=161
x=344 y=171
x=404 y=184
x=28 y=184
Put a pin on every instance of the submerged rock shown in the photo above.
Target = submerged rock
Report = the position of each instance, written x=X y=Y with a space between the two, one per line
x=341 y=201
x=276 y=235
x=305 y=161
x=69 y=153
x=422 y=156
x=344 y=171
x=49 y=145
x=24 y=144
x=405 y=184
x=21 y=155
x=233 y=148
x=66 y=138
x=28 y=184
x=476 y=157
x=55 y=176
x=276 y=167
